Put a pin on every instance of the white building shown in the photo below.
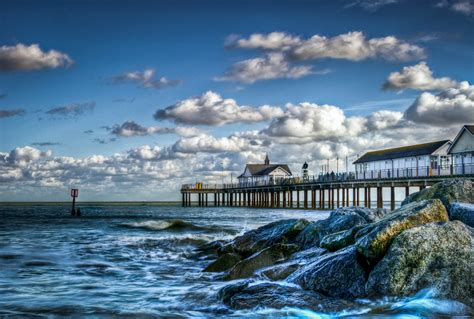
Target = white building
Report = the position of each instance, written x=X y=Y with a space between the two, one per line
x=265 y=173
x=462 y=151
x=428 y=159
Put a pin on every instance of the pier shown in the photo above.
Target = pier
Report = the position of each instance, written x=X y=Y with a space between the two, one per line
x=328 y=191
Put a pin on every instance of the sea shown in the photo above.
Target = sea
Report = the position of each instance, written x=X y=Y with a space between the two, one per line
x=139 y=260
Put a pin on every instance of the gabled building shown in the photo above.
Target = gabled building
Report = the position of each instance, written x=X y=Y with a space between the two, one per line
x=462 y=151
x=425 y=159
x=265 y=173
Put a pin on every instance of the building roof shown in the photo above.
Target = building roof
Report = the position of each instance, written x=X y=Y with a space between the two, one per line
x=400 y=152
x=262 y=169
x=469 y=128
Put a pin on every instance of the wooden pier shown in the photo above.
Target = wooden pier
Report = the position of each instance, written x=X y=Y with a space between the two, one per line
x=314 y=194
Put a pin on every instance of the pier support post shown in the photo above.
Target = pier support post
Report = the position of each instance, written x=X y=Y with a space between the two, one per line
x=354 y=196
x=207 y=199
x=347 y=198
x=343 y=197
x=369 y=200
x=305 y=198
x=297 y=199
x=332 y=198
x=379 y=197
x=313 y=199
x=392 y=198
x=358 y=197
x=407 y=191
x=283 y=194
x=290 y=199
x=278 y=199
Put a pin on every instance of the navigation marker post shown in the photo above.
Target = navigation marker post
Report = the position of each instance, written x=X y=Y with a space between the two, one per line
x=74 y=194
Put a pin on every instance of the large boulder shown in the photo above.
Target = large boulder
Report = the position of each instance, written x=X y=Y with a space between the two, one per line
x=374 y=240
x=436 y=255
x=449 y=192
x=223 y=263
x=336 y=241
x=315 y=231
x=337 y=274
x=273 y=295
x=283 y=232
x=369 y=214
x=267 y=257
x=462 y=212
x=295 y=262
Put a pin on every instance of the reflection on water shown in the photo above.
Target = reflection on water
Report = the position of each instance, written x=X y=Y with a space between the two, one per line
x=139 y=261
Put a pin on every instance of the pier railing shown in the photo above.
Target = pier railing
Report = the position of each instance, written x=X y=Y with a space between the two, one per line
x=399 y=173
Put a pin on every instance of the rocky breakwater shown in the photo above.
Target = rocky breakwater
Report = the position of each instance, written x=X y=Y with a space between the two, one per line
x=329 y=265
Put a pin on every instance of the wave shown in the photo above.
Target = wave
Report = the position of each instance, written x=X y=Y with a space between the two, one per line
x=173 y=225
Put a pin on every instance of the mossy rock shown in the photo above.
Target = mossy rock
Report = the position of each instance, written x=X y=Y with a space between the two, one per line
x=374 y=240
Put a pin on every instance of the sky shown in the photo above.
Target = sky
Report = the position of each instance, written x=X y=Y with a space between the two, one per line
x=127 y=100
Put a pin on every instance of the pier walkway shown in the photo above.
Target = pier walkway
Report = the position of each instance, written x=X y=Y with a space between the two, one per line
x=325 y=191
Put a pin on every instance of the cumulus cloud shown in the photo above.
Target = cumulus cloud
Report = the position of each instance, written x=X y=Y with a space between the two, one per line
x=131 y=128
x=384 y=119
x=145 y=79
x=211 y=109
x=30 y=58
x=354 y=46
x=270 y=66
x=22 y=156
x=11 y=113
x=284 y=50
x=210 y=144
x=417 y=77
x=449 y=107
x=71 y=110
x=309 y=121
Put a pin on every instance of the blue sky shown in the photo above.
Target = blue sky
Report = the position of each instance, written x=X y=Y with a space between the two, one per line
x=105 y=46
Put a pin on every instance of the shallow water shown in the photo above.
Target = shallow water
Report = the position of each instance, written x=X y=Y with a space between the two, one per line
x=138 y=261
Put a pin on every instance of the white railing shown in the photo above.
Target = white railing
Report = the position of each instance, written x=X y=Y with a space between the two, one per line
x=399 y=173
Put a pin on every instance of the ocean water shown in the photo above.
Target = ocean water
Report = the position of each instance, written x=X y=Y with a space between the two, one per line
x=139 y=261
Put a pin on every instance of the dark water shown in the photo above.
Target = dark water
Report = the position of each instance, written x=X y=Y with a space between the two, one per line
x=137 y=261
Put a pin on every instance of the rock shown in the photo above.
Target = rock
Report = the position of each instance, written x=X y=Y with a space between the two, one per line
x=308 y=254
x=463 y=212
x=267 y=257
x=337 y=274
x=314 y=231
x=451 y=191
x=373 y=240
x=336 y=241
x=281 y=271
x=283 y=232
x=273 y=295
x=227 y=292
x=369 y=214
x=223 y=263
x=436 y=255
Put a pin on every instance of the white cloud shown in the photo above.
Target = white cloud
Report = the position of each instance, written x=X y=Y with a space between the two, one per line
x=371 y=5
x=449 y=107
x=210 y=144
x=284 y=50
x=30 y=58
x=418 y=77
x=131 y=128
x=21 y=156
x=464 y=6
x=384 y=119
x=144 y=79
x=354 y=46
x=316 y=122
x=271 y=66
x=211 y=109
x=270 y=41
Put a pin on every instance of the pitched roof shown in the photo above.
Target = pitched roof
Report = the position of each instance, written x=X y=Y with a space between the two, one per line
x=399 y=152
x=262 y=169
x=470 y=128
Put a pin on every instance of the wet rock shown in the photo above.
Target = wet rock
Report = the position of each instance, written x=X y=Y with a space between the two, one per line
x=315 y=231
x=373 y=240
x=463 y=212
x=369 y=214
x=283 y=232
x=436 y=255
x=337 y=274
x=223 y=263
x=272 y=295
x=227 y=292
x=449 y=192
x=281 y=271
x=336 y=241
x=267 y=257
x=308 y=254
